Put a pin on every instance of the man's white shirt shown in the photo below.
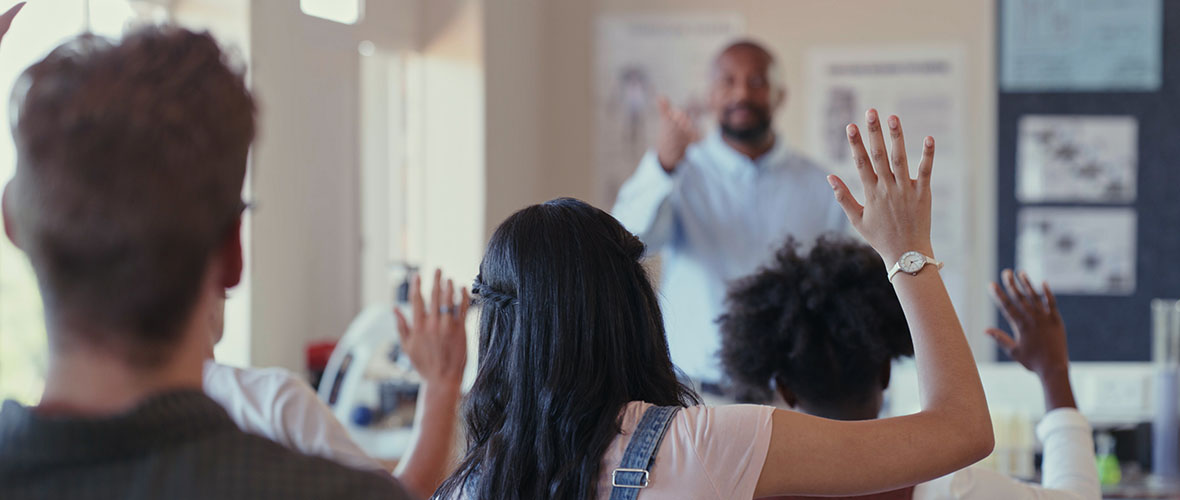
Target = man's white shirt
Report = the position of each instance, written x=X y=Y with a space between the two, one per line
x=717 y=217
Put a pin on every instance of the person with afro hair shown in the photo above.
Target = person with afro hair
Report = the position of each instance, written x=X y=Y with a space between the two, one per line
x=823 y=326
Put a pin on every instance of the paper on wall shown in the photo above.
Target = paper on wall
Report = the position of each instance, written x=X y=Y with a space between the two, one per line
x=638 y=59
x=1079 y=251
x=1077 y=158
x=926 y=88
x=1081 y=45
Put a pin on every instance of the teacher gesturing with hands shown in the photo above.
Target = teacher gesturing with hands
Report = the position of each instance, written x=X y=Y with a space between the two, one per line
x=716 y=205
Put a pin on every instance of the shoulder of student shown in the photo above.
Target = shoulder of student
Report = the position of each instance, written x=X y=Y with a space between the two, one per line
x=257 y=381
x=255 y=397
x=277 y=472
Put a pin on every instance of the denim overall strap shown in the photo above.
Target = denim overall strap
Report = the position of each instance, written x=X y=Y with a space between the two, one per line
x=633 y=473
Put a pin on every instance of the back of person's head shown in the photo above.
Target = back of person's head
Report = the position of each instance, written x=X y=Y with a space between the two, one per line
x=823 y=325
x=131 y=156
x=570 y=332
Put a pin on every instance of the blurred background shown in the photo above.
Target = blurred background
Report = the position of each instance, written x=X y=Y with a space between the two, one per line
x=400 y=132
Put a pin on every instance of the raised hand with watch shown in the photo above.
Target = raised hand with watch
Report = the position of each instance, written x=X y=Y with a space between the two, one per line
x=895 y=220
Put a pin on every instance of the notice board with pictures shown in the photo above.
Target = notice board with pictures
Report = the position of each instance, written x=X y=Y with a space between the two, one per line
x=1088 y=180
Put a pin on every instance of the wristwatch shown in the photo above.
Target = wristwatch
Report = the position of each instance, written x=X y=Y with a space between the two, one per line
x=912 y=262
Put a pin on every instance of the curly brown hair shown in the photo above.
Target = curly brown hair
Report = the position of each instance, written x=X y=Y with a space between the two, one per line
x=131 y=157
x=821 y=323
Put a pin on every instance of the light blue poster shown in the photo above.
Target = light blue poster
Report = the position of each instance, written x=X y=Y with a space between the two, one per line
x=1081 y=45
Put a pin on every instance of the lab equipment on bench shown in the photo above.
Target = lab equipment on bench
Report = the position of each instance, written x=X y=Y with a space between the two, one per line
x=370 y=383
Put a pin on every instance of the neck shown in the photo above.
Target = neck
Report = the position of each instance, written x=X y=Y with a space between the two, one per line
x=753 y=148
x=85 y=381
x=865 y=411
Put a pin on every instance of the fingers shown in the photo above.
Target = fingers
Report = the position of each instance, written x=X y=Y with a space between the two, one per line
x=855 y=211
x=686 y=126
x=864 y=166
x=877 y=146
x=465 y=302
x=449 y=298
x=926 y=165
x=898 y=161
x=403 y=326
x=417 y=308
x=1007 y=343
x=6 y=18
x=1014 y=290
x=436 y=293
x=1031 y=292
x=664 y=106
x=1050 y=299
x=1008 y=309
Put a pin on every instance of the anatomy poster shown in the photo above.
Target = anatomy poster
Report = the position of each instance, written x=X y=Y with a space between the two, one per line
x=924 y=86
x=638 y=59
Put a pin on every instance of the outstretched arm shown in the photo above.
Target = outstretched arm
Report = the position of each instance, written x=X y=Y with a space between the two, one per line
x=645 y=205
x=810 y=455
x=435 y=339
x=1038 y=335
x=1038 y=342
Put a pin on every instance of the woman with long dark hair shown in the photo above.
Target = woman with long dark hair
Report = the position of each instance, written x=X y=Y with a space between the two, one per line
x=576 y=397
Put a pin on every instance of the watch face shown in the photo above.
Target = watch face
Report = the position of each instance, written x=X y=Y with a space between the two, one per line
x=912 y=262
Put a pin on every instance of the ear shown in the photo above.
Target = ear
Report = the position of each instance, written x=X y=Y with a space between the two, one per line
x=779 y=98
x=230 y=256
x=9 y=226
x=886 y=372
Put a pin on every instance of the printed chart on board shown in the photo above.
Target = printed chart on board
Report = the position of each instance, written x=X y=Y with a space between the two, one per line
x=1080 y=251
x=1077 y=158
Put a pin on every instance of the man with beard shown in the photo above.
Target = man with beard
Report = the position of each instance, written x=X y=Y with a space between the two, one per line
x=717 y=206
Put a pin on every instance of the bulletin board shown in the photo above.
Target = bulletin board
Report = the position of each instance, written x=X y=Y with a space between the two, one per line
x=1113 y=324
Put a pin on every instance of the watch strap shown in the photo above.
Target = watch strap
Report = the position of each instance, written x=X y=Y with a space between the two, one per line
x=930 y=261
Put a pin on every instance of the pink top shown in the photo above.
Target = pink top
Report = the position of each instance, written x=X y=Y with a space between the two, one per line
x=708 y=452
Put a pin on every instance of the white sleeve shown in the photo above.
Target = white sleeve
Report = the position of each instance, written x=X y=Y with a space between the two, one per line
x=1069 y=463
x=645 y=205
x=309 y=426
x=1068 y=470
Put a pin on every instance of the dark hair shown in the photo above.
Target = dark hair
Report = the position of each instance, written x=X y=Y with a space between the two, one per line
x=823 y=324
x=130 y=161
x=570 y=332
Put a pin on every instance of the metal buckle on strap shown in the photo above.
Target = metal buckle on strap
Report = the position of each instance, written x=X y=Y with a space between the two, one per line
x=614 y=478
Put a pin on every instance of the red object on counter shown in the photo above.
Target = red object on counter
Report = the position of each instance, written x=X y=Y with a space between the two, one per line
x=317 y=354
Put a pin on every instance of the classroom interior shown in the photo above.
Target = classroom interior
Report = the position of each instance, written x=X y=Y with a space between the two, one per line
x=397 y=134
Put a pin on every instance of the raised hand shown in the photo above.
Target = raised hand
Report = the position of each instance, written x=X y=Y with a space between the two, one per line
x=436 y=338
x=677 y=131
x=1038 y=335
x=436 y=342
x=1038 y=332
x=895 y=217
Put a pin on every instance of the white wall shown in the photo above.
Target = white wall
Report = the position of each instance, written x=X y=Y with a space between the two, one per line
x=306 y=234
x=448 y=209
x=314 y=171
